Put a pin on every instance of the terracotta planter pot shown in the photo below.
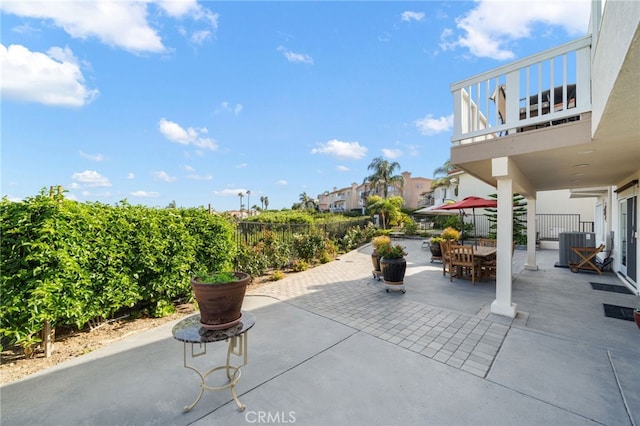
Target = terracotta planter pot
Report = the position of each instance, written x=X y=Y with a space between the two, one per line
x=636 y=317
x=393 y=270
x=220 y=303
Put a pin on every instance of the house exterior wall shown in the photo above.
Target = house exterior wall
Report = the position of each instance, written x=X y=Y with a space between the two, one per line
x=619 y=24
x=558 y=202
x=413 y=189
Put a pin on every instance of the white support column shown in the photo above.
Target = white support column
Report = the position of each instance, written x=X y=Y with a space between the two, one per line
x=532 y=233
x=502 y=305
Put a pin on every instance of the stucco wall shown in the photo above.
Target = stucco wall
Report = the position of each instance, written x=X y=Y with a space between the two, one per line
x=619 y=24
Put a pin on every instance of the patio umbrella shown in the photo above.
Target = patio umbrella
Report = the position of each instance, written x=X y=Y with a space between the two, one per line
x=472 y=203
x=433 y=210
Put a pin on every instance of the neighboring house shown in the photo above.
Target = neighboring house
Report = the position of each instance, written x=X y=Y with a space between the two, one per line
x=355 y=196
x=339 y=200
x=573 y=127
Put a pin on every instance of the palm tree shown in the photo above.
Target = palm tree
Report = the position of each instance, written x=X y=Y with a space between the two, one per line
x=306 y=202
x=240 y=194
x=262 y=201
x=442 y=175
x=383 y=176
x=266 y=203
x=249 y=201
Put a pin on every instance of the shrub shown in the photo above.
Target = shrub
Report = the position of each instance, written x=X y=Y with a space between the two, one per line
x=450 y=234
x=277 y=275
x=380 y=240
x=67 y=263
x=299 y=265
x=391 y=251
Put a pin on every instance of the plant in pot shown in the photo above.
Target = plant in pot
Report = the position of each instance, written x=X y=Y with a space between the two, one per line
x=378 y=242
x=392 y=263
x=636 y=316
x=220 y=296
x=447 y=234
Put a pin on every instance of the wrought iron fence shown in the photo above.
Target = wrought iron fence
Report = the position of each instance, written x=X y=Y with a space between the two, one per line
x=548 y=226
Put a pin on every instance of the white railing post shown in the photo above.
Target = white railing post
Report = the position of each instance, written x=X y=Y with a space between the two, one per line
x=513 y=98
x=583 y=83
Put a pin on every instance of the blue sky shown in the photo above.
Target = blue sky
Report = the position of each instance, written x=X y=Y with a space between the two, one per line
x=194 y=102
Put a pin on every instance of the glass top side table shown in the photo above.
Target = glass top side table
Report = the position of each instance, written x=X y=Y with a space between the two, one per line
x=190 y=332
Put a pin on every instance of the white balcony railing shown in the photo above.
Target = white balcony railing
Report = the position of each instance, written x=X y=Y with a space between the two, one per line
x=544 y=89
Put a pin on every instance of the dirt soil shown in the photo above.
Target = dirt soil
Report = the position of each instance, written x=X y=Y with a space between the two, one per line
x=71 y=343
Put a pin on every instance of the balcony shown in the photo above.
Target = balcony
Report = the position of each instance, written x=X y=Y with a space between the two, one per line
x=550 y=88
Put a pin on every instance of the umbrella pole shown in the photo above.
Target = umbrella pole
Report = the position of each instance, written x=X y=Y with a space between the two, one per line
x=475 y=235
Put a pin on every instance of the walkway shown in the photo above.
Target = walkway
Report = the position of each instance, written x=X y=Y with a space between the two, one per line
x=332 y=347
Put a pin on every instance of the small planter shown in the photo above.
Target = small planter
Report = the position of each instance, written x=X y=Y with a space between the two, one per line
x=636 y=317
x=436 y=251
x=220 y=303
x=393 y=270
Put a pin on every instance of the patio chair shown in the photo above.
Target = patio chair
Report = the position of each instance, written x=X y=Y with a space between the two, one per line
x=463 y=262
x=489 y=266
x=487 y=242
x=446 y=258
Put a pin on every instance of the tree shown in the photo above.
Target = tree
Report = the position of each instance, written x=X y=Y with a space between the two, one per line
x=519 y=219
x=383 y=176
x=442 y=175
x=266 y=203
x=240 y=194
x=389 y=209
x=249 y=201
x=262 y=201
x=306 y=203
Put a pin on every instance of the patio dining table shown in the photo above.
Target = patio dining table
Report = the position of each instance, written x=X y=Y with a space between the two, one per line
x=484 y=254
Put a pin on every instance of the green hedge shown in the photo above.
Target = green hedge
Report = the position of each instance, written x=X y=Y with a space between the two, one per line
x=68 y=263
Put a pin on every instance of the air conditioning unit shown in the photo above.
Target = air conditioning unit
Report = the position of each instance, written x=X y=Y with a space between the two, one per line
x=573 y=239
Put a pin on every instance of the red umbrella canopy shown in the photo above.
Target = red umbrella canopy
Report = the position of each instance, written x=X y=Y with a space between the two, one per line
x=470 y=202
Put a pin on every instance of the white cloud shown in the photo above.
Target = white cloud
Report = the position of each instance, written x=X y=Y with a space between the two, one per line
x=145 y=194
x=91 y=178
x=131 y=176
x=199 y=177
x=93 y=157
x=391 y=153
x=188 y=168
x=282 y=182
x=51 y=79
x=490 y=27
x=224 y=106
x=230 y=192
x=122 y=24
x=343 y=168
x=242 y=166
x=163 y=176
x=431 y=126
x=199 y=37
x=176 y=133
x=295 y=57
x=116 y=23
x=340 y=149
x=412 y=16
x=105 y=194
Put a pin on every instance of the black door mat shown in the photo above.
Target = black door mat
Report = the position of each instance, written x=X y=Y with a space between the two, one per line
x=619 y=312
x=611 y=287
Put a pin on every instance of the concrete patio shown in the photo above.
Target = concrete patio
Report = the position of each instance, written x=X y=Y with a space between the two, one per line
x=331 y=347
